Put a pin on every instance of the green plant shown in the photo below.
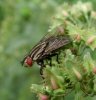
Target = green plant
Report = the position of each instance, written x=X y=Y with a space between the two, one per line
x=76 y=70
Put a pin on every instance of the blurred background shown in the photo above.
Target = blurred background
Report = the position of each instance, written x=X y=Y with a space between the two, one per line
x=22 y=24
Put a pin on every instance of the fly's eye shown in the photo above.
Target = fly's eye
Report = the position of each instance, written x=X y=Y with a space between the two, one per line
x=28 y=62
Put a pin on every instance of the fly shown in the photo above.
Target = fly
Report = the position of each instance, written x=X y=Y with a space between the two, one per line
x=45 y=49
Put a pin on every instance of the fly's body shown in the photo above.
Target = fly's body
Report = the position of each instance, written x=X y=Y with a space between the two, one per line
x=45 y=49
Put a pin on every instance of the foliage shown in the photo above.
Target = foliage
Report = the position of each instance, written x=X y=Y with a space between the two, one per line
x=76 y=70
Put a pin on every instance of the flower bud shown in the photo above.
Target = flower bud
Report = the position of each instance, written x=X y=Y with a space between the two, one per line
x=77 y=73
x=78 y=37
x=53 y=83
x=94 y=70
x=91 y=39
x=43 y=97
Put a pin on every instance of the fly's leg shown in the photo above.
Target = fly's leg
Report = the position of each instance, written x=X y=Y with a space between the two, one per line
x=41 y=63
x=50 y=59
x=41 y=71
x=57 y=58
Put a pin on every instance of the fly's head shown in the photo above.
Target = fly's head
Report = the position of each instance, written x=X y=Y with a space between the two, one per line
x=27 y=61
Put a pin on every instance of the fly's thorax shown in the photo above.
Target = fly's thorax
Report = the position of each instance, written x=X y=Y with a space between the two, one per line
x=38 y=51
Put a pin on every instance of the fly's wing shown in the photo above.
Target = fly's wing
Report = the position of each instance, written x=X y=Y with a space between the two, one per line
x=56 y=43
